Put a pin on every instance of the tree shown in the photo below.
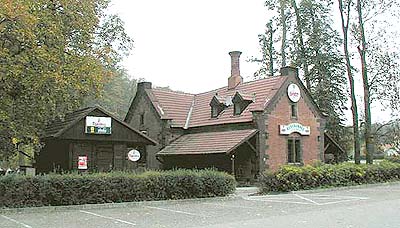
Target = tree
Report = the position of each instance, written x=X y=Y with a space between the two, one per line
x=267 y=60
x=345 y=9
x=115 y=95
x=315 y=48
x=53 y=54
x=379 y=69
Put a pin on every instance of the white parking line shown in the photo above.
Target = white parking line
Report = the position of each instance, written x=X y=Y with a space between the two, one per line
x=13 y=220
x=306 y=199
x=224 y=205
x=175 y=211
x=277 y=201
x=106 y=217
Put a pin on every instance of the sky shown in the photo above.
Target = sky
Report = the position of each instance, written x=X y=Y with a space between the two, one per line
x=185 y=44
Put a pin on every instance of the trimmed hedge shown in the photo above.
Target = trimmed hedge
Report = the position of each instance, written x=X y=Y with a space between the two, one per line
x=73 y=189
x=293 y=178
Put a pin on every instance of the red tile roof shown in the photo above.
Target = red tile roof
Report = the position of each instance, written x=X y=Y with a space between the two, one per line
x=193 y=110
x=171 y=104
x=208 y=142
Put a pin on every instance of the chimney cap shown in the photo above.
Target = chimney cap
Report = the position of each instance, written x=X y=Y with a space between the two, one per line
x=235 y=53
x=289 y=71
x=144 y=85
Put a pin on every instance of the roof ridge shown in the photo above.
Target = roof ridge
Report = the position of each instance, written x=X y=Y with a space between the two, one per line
x=217 y=89
x=173 y=91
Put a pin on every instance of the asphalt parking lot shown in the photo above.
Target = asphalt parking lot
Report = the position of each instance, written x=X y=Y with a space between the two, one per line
x=367 y=206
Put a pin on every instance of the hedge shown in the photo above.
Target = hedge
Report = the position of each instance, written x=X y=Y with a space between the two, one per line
x=293 y=178
x=74 y=189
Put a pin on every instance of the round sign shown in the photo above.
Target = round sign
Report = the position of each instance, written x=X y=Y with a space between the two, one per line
x=293 y=92
x=134 y=155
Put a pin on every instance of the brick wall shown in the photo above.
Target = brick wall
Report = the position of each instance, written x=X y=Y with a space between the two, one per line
x=281 y=115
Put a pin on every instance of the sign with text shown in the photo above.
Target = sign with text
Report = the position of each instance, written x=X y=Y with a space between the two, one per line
x=82 y=162
x=294 y=92
x=134 y=155
x=98 y=125
x=294 y=127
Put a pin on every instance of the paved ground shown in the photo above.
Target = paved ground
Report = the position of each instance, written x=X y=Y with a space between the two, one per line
x=376 y=206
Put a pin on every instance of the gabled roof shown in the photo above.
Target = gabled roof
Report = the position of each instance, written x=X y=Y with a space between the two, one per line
x=60 y=125
x=208 y=143
x=193 y=110
x=57 y=127
x=171 y=104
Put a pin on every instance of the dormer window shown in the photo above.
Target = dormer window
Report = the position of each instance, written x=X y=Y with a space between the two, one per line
x=240 y=102
x=217 y=106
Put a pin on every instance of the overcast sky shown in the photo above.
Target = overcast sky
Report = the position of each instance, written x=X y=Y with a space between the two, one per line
x=184 y=44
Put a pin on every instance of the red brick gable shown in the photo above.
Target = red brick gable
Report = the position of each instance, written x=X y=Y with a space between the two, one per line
x=193 y=110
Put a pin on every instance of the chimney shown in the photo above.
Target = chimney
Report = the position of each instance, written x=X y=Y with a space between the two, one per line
x=143 y=85
x=235 y=79
x=289 y=71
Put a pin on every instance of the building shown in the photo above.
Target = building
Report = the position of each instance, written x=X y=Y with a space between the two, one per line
x=243 y=128
x=91 y=139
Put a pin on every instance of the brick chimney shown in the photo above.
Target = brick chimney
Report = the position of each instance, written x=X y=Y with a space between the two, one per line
x=235 y=79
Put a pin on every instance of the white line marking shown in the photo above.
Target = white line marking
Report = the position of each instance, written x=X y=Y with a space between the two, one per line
x=306 y=199
x=176 y=211
x=13 y=220
x=232 y=206
x=336 y=196
x=106 y=217
x=279 y=201
x=340 y=201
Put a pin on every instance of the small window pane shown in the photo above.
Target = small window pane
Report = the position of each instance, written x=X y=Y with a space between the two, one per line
x=297 y=150
x=290 y=151
x=294 y=110
x=237 y=109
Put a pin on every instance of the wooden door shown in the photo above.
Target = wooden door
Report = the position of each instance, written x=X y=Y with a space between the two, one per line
x=104 y=157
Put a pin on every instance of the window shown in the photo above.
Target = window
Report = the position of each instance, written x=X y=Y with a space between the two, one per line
x=214 y=111
x=142 y=119
x=293 y=108
x=237 y=109
x=294 y=152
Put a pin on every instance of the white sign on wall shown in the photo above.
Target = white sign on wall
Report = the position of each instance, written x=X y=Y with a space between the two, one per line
x=82 y=162
x=98 y=125
x=294 y=127
x=293 y=92
x=134 y=155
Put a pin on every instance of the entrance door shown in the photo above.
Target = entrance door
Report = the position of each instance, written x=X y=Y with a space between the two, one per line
x=105 y=157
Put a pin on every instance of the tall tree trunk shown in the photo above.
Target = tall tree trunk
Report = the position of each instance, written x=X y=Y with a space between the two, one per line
x=301 y=44
x=345 y=29
x=362 y=51
x=284 y=30
x=271 y=49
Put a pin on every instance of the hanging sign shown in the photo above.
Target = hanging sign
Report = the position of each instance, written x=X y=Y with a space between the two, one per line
x=98 y=125
x=294 y=127
x=293 y=92
x=134 y=155
x=82 y=162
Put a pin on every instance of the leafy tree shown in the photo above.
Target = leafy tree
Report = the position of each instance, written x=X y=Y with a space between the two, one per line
x=345 y=10
x=53 y=54
x=379 y=69
x=315 y=48
x=116 y=95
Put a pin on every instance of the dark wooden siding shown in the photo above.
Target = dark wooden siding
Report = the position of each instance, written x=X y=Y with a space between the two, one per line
x=119 y=132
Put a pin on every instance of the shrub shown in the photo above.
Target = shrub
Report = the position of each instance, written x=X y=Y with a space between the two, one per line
x=292 y=178
x=70 y=189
